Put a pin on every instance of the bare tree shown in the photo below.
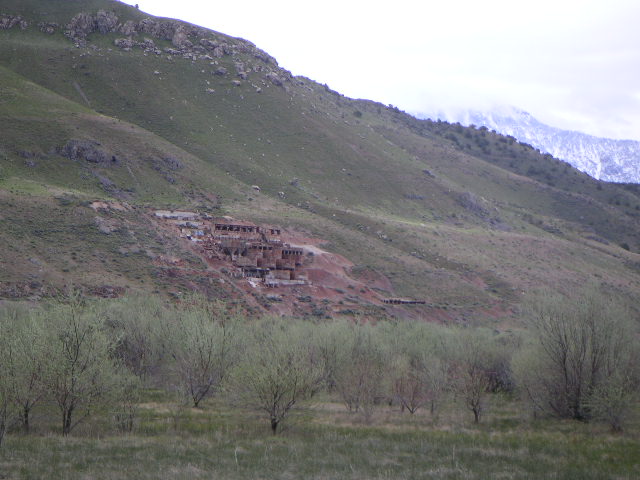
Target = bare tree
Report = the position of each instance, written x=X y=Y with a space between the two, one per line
x=137 y=323
x=204 y=348
x=420 y=369
x=81 y=371
x=472 y=371
x=278 y=371
x=361 y=367
x=8 y=412
x=582 y=357
x=23 y=330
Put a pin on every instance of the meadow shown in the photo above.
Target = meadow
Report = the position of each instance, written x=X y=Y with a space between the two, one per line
x=325 y=441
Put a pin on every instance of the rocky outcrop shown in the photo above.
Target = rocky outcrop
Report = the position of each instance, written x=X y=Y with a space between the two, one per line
x=88 y=151
x=80 y=26
x=84 y=24
x=9 y=21
x=473 y=204
x=147 y=45
x=208 y=44
x=264 y=57
x=275 y=79
x=48 y=27
x=106 y=22
x=241 y=70
x=163 y=30
x=181 y=39
x=128 y=28
x=125 y=43
x=173 y=163
x=187 y=41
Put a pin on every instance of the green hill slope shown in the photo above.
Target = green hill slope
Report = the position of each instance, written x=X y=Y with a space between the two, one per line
x=178 y=116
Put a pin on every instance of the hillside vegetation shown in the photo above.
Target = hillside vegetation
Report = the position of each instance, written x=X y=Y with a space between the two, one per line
x=141 y=388
x=444 y=302
x=176 y=116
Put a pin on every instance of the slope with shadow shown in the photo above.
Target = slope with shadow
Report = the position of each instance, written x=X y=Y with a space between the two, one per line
x=156 y=113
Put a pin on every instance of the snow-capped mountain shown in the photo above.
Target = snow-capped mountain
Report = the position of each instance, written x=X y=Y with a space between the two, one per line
x=602 y=158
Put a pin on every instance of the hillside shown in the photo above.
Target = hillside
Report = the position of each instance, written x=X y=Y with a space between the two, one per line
x=602 y=158
x=143 y=114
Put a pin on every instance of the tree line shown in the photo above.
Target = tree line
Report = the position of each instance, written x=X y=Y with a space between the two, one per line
x=577 y=359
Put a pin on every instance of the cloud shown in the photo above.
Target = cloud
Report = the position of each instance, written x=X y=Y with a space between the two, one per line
x=572 y=63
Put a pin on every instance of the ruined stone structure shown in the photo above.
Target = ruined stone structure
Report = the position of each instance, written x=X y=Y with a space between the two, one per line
x=402 y=301
x=257 y=252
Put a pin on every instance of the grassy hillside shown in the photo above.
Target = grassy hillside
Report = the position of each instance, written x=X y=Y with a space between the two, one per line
x=463 y=218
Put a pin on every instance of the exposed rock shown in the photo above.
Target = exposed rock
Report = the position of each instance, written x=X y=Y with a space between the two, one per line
x=163 y=30
x=26 y=154
x=10 y=21
x=240 y=70
x=472 y=203
x=181 y=40
x=128 y=28
x=275 y=79
x=106 y=22
x=414 y=196
x=218 y=52
x=167 y=30
x=221 y=71
x=148 y=44
x=105 y=225
x=124 y=43
x=107 y=291
x=148 y=26
x=208 y=44
x=237 y=83
x=48 y=27
x=265 y=57
x=87 y=150
x=173 y=163
x=80 y=26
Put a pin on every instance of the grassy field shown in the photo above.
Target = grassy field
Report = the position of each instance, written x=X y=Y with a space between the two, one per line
x=324 y=441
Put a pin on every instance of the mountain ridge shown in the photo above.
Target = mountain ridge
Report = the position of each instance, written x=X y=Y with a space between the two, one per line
x=603 y=158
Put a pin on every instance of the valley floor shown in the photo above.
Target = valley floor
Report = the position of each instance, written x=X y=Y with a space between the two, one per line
x=325 y=441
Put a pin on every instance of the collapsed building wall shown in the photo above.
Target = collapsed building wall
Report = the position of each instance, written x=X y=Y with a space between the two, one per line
x=257 y=251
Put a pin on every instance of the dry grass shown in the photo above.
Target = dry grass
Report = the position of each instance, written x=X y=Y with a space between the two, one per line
x=324 y=442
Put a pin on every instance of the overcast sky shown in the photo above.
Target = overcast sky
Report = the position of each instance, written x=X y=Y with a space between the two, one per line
x=573 y=64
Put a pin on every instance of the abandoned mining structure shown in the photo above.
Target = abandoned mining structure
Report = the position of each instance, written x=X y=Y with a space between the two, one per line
x=256 y=252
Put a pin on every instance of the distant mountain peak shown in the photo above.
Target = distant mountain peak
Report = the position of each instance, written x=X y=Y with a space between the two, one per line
x=602 y=158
